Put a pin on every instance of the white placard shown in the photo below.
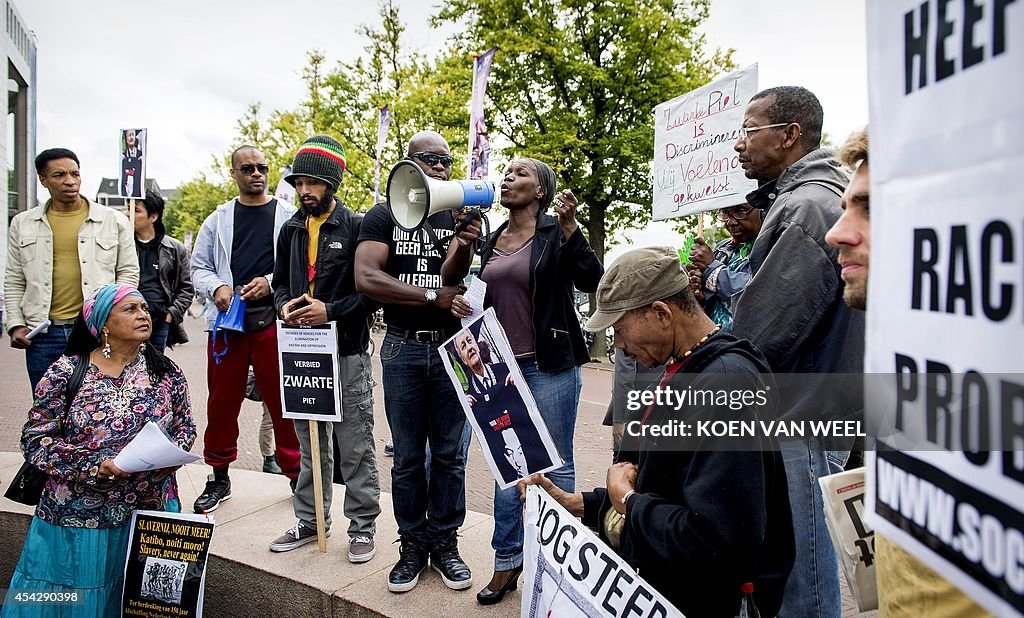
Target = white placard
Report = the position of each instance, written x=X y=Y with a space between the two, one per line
x=945 y=295
x=497 y=402
x=568 y=570
x=310 y=383
x=695 y=167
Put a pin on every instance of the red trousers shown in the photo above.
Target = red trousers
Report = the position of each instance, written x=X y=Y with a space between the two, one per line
x=227 y=383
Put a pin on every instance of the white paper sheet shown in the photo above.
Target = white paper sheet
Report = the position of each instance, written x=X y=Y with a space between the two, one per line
x=475 y=296
x=152 y=449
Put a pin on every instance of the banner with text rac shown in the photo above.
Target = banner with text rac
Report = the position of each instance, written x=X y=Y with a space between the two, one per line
x=165 y=572
x=695 y=167
x=946 y=293
x=568 y=571
x=308 y=356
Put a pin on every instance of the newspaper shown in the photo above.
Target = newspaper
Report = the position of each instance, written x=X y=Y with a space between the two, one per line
x=853 y=539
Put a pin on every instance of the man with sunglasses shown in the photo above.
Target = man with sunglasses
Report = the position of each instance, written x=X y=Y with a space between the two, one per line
x=725 y=270
x=793 y=311
x=402 y=270
x=235 y=248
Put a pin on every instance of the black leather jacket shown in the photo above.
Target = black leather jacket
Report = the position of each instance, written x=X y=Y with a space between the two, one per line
x=335 y=274
x=556 y=265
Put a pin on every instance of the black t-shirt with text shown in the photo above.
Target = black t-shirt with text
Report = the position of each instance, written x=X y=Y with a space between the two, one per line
x=412 y=260
x=252 y=248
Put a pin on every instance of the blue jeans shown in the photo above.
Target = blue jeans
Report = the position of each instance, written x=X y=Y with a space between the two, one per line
x=45 y=349
x=813 y=585
x=467 y=436
x=159 y=337
x=558 y=397
x=423 y=407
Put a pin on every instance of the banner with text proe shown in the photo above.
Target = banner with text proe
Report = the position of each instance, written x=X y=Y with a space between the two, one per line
x=569 y=571
x=945 y=313
x=695 y=168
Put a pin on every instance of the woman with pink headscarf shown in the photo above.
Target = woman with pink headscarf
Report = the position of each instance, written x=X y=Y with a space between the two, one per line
x=78 y=539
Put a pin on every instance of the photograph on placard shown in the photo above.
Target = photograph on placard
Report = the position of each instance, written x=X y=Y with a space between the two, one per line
x=498 y=403
x=132 y=179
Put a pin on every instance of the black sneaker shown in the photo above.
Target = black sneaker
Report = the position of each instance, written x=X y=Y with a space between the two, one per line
x=445 y=559
x=218 y=489
x=406 y=572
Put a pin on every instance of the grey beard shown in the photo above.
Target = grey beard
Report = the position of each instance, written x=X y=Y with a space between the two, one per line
x=322 y=206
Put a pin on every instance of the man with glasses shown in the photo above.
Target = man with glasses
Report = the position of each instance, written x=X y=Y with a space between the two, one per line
x=402 y=270
x=725 y=270
x=236 y=248
x=793 y=311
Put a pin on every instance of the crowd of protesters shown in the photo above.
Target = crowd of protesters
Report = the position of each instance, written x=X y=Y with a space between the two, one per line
x=705 y=525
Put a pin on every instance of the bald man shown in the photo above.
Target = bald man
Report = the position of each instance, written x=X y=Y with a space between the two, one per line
x=402 y=271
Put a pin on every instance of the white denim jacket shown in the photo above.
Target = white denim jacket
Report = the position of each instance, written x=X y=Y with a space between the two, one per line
x=106 y=249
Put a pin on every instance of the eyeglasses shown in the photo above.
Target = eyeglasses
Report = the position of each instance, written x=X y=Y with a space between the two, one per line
x=746 y=131
x=248 y=168
x=735 y=212
x=433 y=159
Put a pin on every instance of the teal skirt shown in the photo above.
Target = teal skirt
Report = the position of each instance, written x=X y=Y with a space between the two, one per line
x=59 y=559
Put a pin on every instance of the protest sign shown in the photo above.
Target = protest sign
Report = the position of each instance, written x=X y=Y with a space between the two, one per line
x=165 y=572
x=854 y=540
x=132 y=177
x=569 y=571
x=309 y=372
x=695 y=167
x=497 y=402
x=945 y=479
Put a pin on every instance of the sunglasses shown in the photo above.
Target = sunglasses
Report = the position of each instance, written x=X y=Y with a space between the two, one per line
x=248 y=169
x=433 y=159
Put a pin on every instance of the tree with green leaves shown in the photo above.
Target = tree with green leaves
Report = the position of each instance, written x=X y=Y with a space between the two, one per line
x=575 y=83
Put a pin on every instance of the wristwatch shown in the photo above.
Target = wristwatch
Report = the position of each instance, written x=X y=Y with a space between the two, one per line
x=431 y=296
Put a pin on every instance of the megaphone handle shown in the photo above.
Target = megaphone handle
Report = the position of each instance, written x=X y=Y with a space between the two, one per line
x=473 y=214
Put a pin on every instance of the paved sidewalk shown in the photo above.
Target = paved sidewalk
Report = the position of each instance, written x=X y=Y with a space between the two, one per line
x=593 y=441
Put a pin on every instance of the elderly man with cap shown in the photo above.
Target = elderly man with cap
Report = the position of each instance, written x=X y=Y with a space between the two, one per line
x=235 y=250
x=705 y=519
x=314 y=284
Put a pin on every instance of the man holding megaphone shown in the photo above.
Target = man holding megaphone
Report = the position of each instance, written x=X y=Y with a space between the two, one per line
x=400 y=266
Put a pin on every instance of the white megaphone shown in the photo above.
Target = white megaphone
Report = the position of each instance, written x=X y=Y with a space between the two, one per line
x=413 y=196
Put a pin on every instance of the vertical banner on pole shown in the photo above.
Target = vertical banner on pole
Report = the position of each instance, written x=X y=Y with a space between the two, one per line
x=383 y=125
x=479 y=145
x=132 y=177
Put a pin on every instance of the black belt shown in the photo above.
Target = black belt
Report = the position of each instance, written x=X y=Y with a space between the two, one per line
x=421 y=336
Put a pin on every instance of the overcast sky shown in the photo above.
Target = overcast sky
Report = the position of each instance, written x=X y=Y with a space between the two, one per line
x=187 y=70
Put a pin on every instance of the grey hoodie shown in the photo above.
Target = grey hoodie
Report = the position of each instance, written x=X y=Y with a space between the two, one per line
x=793 y=308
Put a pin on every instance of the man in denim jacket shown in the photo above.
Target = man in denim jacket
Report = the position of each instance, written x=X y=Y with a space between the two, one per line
x=57 y=255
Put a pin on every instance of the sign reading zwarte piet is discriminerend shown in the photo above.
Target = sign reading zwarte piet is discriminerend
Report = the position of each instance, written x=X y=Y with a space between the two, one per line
x=695 y=168
x=945 y=320
x=308 y=357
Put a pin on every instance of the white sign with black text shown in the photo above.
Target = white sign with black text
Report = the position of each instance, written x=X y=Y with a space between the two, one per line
x=310 y=387
x=568 y=571
x=945 y=319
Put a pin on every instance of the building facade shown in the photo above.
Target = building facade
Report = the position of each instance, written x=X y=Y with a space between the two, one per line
x=18 y=133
